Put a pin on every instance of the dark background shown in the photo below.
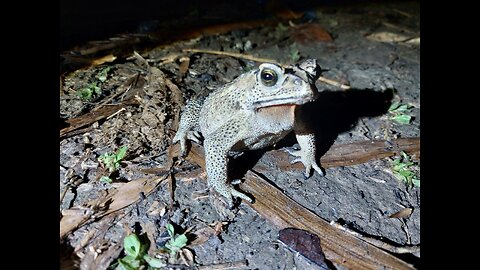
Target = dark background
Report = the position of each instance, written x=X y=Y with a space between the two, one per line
x=87 y=20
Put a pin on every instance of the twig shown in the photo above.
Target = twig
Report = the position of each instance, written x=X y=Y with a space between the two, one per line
x=64 y=192
x=334 y=83
x=115 y=113
x=237 y=55
x=224 y=266
x=378 y=243
x=171 y=189
x=259 y=59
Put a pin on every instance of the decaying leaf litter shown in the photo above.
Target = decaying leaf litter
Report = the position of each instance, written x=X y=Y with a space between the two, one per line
x=137 y=103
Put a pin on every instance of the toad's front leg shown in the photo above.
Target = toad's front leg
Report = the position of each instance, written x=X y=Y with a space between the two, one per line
x=307 y=153
x=216 y=158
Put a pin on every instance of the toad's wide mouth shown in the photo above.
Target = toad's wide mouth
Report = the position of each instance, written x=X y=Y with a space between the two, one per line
x=267 y=102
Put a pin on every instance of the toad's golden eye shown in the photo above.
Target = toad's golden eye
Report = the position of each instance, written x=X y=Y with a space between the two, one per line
x=269 y=77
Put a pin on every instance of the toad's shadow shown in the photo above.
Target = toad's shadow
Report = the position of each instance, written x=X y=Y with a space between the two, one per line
x=332 y=113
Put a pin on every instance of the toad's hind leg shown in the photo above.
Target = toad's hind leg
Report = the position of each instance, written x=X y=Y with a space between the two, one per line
x=216 y=158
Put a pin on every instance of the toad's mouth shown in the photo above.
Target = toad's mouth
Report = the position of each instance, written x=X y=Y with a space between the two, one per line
x=287 y=101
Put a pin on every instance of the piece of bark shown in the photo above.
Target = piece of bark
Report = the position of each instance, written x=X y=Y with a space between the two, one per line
x=89 y=118
x=355 y=153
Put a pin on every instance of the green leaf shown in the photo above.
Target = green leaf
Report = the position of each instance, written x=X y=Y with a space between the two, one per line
x=121 y=153
x=129 y=259
x=154 y=262
x=294 y=53
x=180 y=241
x=171 y=230
x=102 y=76
x=402 y=108
x=105 y=179
x=394 y=106
x=177 y=243
x=281 y=28
x=416 y=182
x=132 y=244
x=407 y=174
x=399 y=167
x=124 y=265
x=402 y=119
x=85 y=93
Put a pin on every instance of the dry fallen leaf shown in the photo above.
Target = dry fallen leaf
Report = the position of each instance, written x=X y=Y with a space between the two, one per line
x=130 y=192
x=310 y=32
x=73 y=218
x=387 y=37
x=123 y=197
x=202 y=235
x=305 y=243
x=104 y=59
x=187 y=257
x=415 y=41
x=405 y=212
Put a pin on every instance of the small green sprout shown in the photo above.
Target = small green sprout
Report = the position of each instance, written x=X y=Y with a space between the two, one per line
x=398 y=113
x=281 y=28
x=112 y=160
x=89 y=91
x=294 y=53
x=280 y=31
x=136 y=255
x=176 y=242
x=404 y=169
x=106 y=179
x=94 y=89
x=102 y=75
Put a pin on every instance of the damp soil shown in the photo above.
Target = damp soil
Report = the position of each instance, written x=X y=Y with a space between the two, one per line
x=353 y=47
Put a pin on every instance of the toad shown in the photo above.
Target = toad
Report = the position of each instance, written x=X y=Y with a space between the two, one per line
x=256 y=110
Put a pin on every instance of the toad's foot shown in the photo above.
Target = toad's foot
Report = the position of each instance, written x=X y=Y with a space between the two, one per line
x=229 y=192
x=307 y=160
x=182 y=137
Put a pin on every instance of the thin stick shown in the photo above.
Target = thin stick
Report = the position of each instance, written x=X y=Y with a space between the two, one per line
x=268 y=60
x=237 y=55
x=117 y=112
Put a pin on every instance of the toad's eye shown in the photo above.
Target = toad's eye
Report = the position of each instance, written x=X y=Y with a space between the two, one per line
x=269 y=77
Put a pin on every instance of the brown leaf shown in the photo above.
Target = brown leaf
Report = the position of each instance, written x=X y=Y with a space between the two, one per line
x=74 y=218
x=104 y=59
x=310 y=33
x=125 y=195
x=305 y=243
x=387 y=37
x=187 y=257
x=100 y=258
x=202 y=235
x=405 y=212
x=130 y=193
